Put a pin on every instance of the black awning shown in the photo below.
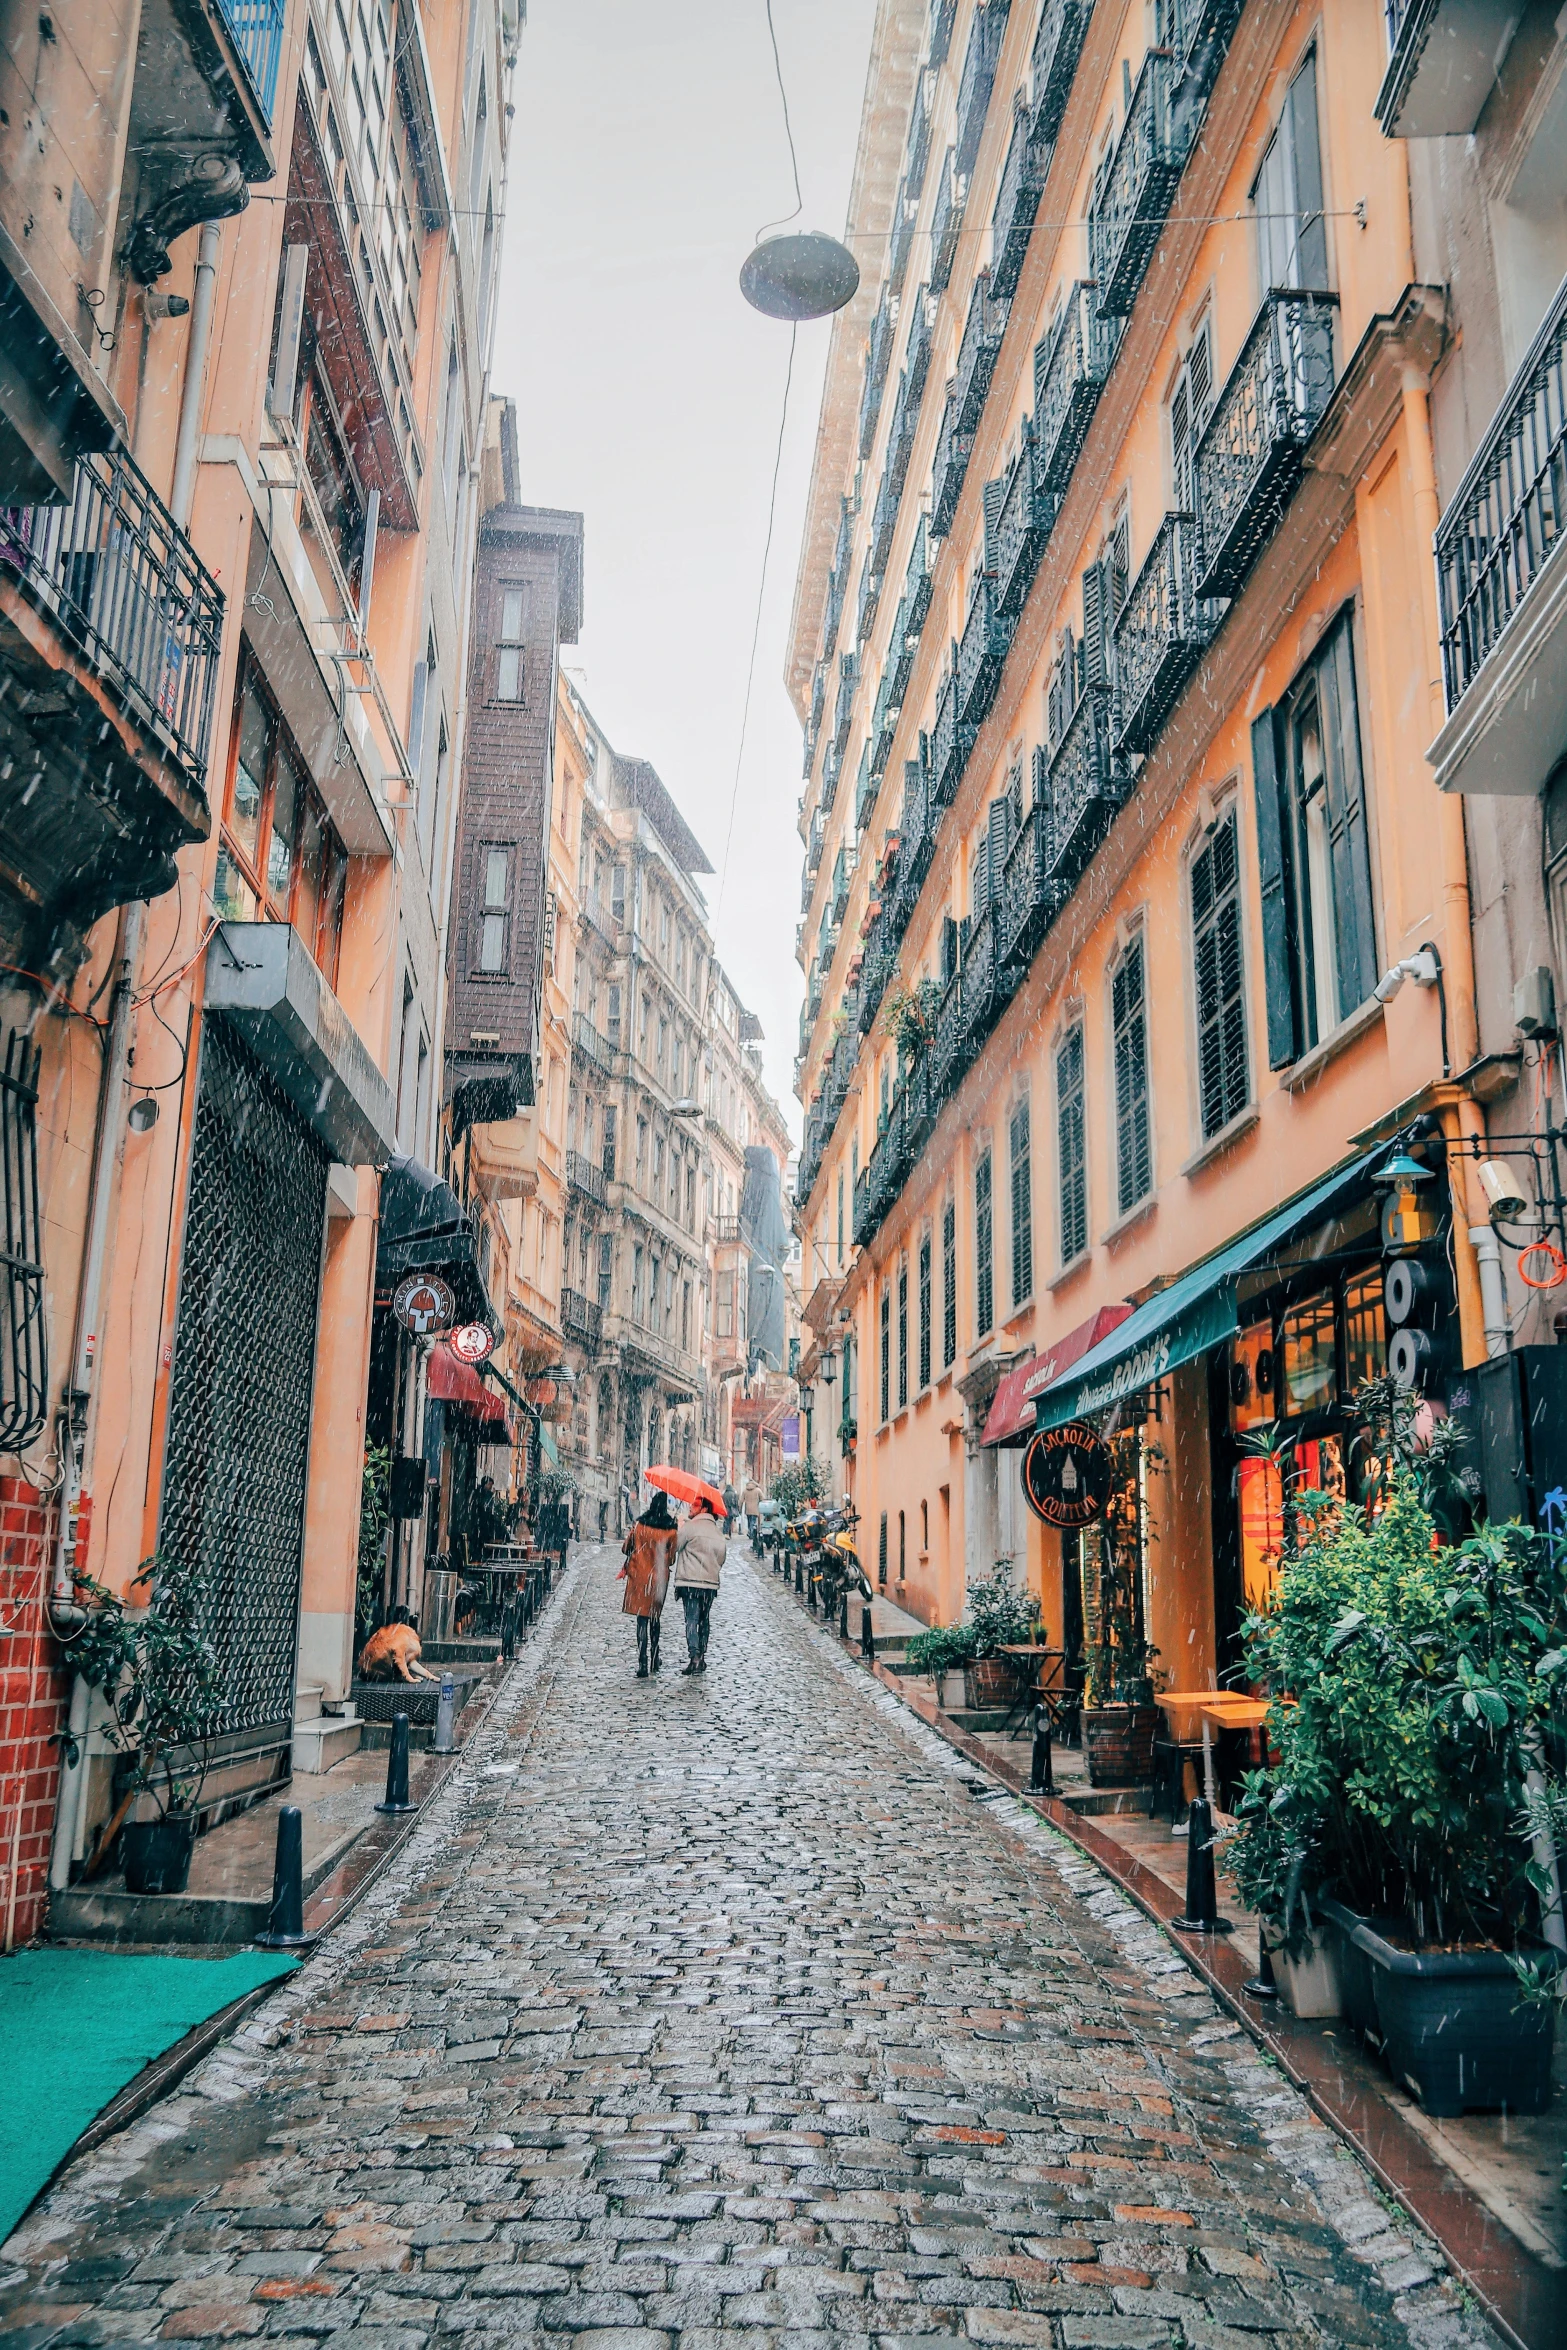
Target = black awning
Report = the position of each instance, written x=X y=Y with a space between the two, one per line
x=425 y=1229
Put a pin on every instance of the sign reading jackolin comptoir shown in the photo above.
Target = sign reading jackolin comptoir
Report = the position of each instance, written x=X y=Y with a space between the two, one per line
x=1066 y=1474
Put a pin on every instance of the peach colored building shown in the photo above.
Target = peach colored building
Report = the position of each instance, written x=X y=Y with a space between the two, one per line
x=248 y=283
x=1116 y=651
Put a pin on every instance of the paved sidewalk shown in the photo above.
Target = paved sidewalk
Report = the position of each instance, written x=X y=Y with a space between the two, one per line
x=719 y=2006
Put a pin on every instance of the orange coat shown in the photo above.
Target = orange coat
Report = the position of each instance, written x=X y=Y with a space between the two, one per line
x=650 y=1553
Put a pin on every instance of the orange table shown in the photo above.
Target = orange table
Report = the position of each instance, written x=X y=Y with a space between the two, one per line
x=1232 y=1713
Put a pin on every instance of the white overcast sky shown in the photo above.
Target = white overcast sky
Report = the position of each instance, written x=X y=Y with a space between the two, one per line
x=648 y=148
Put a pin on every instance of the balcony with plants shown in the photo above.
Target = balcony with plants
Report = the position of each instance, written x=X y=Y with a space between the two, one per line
x=1017 y=202
x=1128 y=211
x=954 y=448
x=1161 y=634
x=1058 y=44
x=1253 y=449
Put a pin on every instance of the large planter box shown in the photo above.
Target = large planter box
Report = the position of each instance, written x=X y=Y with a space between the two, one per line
x=989 y=1682
x=1452 y=2023
x=1311 y=1986
x=1118 y=1741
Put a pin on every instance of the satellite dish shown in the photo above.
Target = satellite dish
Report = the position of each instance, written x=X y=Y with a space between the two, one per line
x=800 y=277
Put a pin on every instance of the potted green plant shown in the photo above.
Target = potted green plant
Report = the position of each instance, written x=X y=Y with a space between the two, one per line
x=999 y=1617
x=1416 y=1684
x=1120 y=1718
x=162 y=1687
x=939 y=1652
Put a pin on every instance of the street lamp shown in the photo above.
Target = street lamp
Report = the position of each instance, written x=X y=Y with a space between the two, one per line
x=800 y=277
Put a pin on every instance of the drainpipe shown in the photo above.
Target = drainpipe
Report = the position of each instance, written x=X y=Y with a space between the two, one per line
x=1493 y=1290
x=182 y=495
x=75 y=1412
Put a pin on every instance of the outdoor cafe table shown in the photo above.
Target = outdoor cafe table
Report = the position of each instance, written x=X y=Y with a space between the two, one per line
x=1222 y=1709
x=1049 y=1691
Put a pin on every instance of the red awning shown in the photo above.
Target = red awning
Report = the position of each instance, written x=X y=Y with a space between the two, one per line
x=1011 y=1418
x=450 y=1380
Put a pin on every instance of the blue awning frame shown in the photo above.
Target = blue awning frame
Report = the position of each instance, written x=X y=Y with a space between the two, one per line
x=1199 y=1310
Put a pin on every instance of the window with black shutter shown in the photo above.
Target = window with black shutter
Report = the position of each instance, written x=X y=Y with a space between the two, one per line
x=949 y=1283
x=1072 y=1145
x=1223 y=1084
x=1129 y=1023
x=886 y=1352
x=903 y=1332
x=924 y=1308
x=881 y=1551
x=1190 y=404
x=1021 y=1172
x=984 y=1266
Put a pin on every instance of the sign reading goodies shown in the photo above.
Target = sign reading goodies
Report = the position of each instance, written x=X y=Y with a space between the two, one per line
x=1066 y=1474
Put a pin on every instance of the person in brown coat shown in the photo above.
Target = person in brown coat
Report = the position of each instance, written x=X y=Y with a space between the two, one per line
x=650 y=1554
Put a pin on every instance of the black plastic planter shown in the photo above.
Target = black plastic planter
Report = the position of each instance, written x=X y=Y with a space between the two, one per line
x=1454 y=2025
x=156 y=1853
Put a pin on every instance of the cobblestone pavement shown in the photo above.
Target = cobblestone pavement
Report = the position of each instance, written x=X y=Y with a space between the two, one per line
x=718 y=2006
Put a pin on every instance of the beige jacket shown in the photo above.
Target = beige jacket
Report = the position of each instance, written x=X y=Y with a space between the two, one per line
x=700 y=1550
x=751 y=1499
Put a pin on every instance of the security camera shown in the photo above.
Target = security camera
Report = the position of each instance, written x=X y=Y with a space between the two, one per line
x=1504 y=1194
x=1423 y=968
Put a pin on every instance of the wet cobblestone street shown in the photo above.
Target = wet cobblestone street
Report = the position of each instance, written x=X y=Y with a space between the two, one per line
x=701 y=2007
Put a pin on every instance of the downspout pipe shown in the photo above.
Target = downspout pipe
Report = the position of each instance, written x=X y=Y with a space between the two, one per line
x=182 y=495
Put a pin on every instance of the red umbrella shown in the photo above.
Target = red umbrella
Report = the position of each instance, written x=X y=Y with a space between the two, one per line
x=682 y=1485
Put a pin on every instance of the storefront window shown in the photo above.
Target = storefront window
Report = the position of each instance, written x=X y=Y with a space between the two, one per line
x=1261 y=1488
x=1365 y=1332
x=1311 y=1356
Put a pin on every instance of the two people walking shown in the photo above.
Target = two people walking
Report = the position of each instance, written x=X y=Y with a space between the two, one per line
x=661 y=1551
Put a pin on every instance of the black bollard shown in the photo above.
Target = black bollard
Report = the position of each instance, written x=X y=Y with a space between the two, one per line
x=1041 y=1779
x=1261 y=1984
x=799 y=1573
x=397 y=1770
x=843 y=1613
x=1201 y=1915
x=867 y=1634
x=286 y=1918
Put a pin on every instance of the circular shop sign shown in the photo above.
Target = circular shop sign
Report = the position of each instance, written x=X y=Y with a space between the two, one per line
x=1066 y=1474
x=473 y=1343
x=424 y=1303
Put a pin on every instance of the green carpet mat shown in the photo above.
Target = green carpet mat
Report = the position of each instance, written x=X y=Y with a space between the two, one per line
x=76 y=2026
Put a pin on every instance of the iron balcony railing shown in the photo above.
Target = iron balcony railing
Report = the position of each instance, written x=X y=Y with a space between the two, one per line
x=982 y=649
x=917 y=581
x=943 y=16
x=807 y=890
x=586 y=1176
x=1070 y=366
x=865 y=784
x=257 y=30
x=1023 y=522
x=1017 y=201
x=1082 y=793
x=878 y=359
x=1505 y=520
x=1129 y=210
x=843 y=709
x=1161 y=634
x=915 y=838
x=950 y=743
x=594 y=911
x=978 y=78
x=953 y=451
x=946 y=224
x=730 y=1232
x=884 y=515
x=884 y=719
x=122 y=583
x=586 y=1039
x=1058 y=43
x=582 y=1318
x=983 y=329
x=818 y=695
x=916 y=153
x=868 y=599
x=946 y=1046
x=832 y=767
x=900 y=244
x=875 y=970
x=1252 y=452
x=814 y=845
x=917 y=350
x=981 y=992
x=1019 y=910
x=842 y=875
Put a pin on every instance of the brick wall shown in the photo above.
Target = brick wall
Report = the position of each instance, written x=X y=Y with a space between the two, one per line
x=34 y=1696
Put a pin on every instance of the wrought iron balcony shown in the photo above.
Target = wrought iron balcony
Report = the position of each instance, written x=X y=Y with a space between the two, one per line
x=916 y=580
x=1058 y=44
x=807 y=890
x=1125 y=221
x=1161 y=634
x=818 y=696
x=884 y=516
x=1252 y=452
x=843 y=710
x=256 y=27
x=581 y=1318
x=950 y=743
x=865 y=785
x=916 y=153
x=1505 y=521
x=1029 y=897
x=1023 y=522
x=1442 y=59
x=1083 y=789
x=1070 y=366
x=953 y=451
x=982 y=648
x=867 y=600
x=978 y=77
x=832 y=767
x=917 y=350
x=1198 y=33
x=946 y=223
x=982 y=332
x=982 y=997
x=587 y=1042
x=878 y=359
x=945 y=1058
x=813 y=846
x=586 y=1176
x=884 y=719
x=842 y=875
x=125 y=588
x=915 y=838
x=1017 y=201
x=900 y=244
x=943 y=16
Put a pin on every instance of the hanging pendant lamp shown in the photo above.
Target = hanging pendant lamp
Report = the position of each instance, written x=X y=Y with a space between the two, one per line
x=800 y=277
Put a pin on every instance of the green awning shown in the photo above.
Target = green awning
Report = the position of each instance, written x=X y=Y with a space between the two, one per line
x=1197 y=1311
x=551 y=1448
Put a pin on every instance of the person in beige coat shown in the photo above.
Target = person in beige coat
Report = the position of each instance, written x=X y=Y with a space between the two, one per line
x=700 y=1550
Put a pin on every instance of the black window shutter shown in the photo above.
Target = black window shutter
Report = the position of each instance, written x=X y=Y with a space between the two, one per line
x=1278 y=902
x=1357 y=965
x=1000 y=840
x=1095 y=672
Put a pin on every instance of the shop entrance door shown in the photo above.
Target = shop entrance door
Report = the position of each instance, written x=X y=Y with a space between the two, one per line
x=241 y=1383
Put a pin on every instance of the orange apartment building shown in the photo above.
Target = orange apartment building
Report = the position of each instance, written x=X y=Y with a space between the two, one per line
x=247 y=265
x=1136 y=929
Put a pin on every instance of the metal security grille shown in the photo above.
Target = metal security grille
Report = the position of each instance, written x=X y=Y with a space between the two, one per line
x=240 y=1390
